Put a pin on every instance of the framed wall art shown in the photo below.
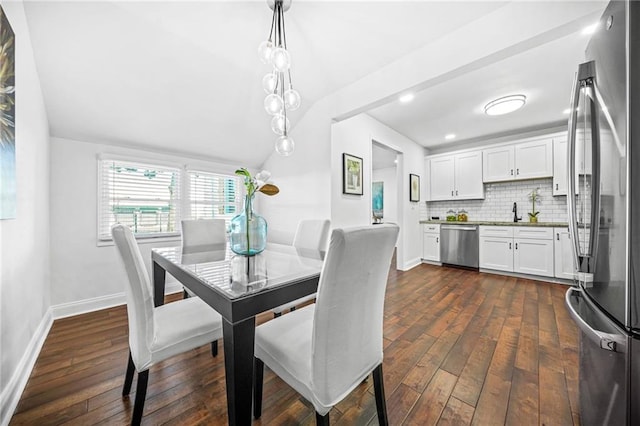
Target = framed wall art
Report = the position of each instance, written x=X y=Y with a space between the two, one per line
x=414 y=188
x=377 y=200
x=351 y=174
x=7 y=120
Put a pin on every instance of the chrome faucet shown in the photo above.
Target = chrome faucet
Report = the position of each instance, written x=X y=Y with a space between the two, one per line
x=515 y=213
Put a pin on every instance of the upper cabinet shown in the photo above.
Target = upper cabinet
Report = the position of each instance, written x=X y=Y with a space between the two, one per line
x=455 y=177
x=528 y=160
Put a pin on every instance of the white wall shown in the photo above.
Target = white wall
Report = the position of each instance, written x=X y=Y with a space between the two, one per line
x=24 y=241
x=389 y=179
x=84 y=275
x=354 y=136
x=303 y=178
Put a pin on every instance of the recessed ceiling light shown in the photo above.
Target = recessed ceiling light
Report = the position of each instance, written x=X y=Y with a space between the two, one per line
x=505 y=105
x=408 y=97
x=590 y=29
x=566 y=111
x=450 y=136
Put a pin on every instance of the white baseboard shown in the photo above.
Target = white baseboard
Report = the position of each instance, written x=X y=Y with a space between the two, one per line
x=70 y=309
x=11 y=394
x=412 y=263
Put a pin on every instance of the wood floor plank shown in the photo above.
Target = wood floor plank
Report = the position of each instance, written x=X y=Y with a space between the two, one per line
x=431 y=403
x=460 y=347
x=456 y=413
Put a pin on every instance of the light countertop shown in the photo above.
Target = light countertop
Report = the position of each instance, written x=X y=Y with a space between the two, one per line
x=496 y=223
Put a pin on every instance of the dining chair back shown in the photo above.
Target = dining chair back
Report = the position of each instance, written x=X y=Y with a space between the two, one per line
x=203 y=234
x=347 y=326
x=157 y=333
x=138 y=293
x=325 y=350
x=311 y=234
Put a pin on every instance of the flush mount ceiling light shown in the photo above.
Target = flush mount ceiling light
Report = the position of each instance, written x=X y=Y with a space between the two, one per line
x=450 y=136
x=505 y=105
x=588 y=30
x=407 y=97
x=280 y=97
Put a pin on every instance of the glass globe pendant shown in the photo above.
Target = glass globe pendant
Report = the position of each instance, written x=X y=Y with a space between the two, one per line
x=291 y=100
x=270 y=82
x=280 y=59
x=285 y=145
x=273 y=104
x=280 y=124
x=264 y=51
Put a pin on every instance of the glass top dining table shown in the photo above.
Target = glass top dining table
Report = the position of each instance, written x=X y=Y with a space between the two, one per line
x=239 y=288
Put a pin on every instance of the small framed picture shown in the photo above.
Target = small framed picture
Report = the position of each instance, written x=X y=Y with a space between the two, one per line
x=351 y=174
x=414 y=187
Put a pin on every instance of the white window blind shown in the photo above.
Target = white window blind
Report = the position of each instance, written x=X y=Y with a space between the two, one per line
x=145 y=197
x=214 y=196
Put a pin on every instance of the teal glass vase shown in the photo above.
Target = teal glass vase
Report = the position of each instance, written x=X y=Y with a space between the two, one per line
x=248 y=231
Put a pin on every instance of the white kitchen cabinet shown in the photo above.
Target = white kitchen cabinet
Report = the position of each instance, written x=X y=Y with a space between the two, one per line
x=526 y=250
x=431 y=243
x=563 y=253
x=498 y=164
x=534 y=159
x=533 y=256
x=441 y=178
x=468 y=176
x=496 y=248
x=456 y=177
x=560 y=185
x=527 y=160
x=496 y=253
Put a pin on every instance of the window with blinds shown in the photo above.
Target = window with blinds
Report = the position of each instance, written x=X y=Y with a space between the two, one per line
x=145 y=197
x=214 y=196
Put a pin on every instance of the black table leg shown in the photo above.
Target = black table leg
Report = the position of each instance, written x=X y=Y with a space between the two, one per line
x=239 y=339
x=159 y=276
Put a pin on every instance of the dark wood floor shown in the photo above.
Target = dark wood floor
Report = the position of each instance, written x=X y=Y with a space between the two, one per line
x=461 y=347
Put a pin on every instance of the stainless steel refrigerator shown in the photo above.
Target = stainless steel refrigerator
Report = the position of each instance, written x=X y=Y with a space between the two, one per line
x=604 y=218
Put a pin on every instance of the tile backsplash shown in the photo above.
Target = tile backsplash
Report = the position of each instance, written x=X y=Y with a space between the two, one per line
x=498 y=203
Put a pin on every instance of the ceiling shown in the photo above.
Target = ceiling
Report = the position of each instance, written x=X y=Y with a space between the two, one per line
x=184 y=77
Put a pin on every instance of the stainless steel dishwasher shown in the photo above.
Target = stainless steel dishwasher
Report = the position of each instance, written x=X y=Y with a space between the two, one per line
x=459 y=245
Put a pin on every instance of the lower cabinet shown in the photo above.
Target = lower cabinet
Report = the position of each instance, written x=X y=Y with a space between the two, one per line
x=564 y=263
x=533 y=257
x=431 y=243
x=526 y=250
x=496 y=253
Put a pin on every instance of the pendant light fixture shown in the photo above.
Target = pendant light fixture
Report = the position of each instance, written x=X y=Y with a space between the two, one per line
x=281 y=96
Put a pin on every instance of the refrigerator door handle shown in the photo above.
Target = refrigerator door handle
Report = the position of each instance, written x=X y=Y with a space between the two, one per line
x=571 y=170
x=607 y=341
x=585 y=81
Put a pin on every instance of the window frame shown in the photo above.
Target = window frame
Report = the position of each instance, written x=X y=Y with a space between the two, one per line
x=184 y=201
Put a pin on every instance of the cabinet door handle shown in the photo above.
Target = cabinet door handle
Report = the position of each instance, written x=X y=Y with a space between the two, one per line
x=516 y=246
x=556 y=186
x=511 y=172
x=437 y=240
x=456 y=192
x=558 y=236
x=452 y=193
x=509 y=246
x=517 y=171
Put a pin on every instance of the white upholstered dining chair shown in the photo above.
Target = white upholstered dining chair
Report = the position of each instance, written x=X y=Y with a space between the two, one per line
x=156 y=334
x=311 y=234
x=203 y=235
x=325 y=350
